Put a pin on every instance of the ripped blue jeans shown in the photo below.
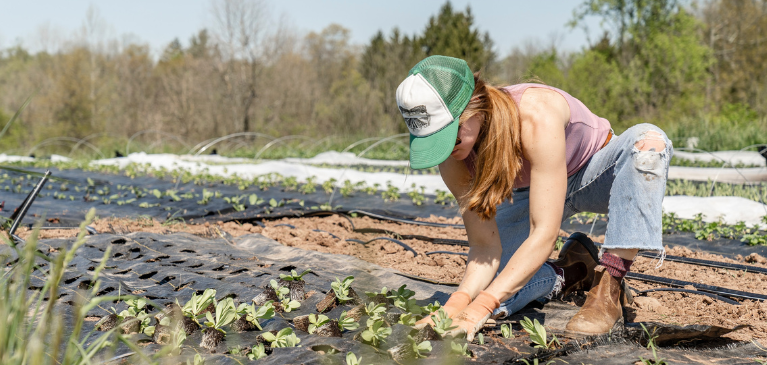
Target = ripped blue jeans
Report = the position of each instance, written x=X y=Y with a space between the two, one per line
x=626 y=183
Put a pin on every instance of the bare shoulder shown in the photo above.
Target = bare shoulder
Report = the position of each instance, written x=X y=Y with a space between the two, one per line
x=544 y=104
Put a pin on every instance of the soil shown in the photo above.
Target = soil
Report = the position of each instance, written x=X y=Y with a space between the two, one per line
x=666 y=307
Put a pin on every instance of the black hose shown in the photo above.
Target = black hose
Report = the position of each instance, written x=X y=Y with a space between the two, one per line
x=407 y=221
x=700 y=287
x=683 y=290
x=386 y=239
x=721 y=265
x=447 y=253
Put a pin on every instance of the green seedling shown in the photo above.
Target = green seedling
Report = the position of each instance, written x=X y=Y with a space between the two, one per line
x=420 y=349
x=375 y=333
x=391 y=193
x=284 y=338
x=652 y=346
x=283 y=292
x=310 y=187
x=538 y=334
x=457 y=348
x=290 y=183
x=199 y=303
x=206 y=197
x=257 y=352
x=402 y=300
x=253 y=199
x=442 y=323
x=198 y=360
x=431 y=307
x=346 y=323
x=407 y=319
x=506 y=331
x=480 y=339
x=136 y=309
x=226 y=313
x=294 y=276
x=375 y=310
x=351 y=359
x=348 y=189
x=157 y=194
x=444 y=198
x=316 y=321
x=417 y=196
x=329 y=185
x=341 y=289
x=149 y=330
x=253 y=315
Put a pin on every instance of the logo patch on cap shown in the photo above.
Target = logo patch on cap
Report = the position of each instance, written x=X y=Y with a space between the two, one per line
x=416 y=118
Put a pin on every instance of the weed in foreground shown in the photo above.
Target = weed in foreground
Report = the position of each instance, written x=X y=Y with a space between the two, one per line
x=538 y=334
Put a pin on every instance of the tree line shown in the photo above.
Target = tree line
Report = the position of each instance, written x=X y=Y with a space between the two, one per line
x=694 y=69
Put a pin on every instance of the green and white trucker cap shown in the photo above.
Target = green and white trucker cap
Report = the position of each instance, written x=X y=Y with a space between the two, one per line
x=431 y=100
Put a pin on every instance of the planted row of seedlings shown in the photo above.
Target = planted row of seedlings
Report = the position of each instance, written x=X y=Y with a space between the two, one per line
x=369 y=319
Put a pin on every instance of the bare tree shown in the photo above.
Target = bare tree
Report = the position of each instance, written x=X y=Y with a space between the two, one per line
x=240 y=27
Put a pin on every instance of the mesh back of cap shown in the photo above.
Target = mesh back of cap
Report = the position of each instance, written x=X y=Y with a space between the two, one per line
x=452 y=79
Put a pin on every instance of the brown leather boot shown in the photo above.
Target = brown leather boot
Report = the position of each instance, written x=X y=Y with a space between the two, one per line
x=602 y=308
x=578 y=258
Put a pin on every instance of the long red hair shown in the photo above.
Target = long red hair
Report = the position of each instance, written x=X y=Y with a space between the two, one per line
x=498 y=148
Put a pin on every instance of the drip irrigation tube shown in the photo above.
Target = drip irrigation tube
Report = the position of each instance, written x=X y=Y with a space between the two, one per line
x=701 y=287
x=407 y=221
x=19 y=214
x=426 y=280
x=439 y=241
x=710 y=263
x=386 y=239
x=683 y=290
x=447 y=253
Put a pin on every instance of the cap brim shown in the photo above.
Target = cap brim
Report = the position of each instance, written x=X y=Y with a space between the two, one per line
x=433 y=149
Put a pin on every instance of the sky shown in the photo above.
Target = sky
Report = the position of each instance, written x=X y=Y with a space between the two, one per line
x=157 y=22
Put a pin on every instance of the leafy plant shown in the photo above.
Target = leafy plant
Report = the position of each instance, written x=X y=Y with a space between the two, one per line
x=198 y=360
x=375 y=333
x=257 y=352
x=480 y=339
x=431 y=307
x=417 y=195
x=341 y=289
x=444 y=198
x=206 y=197
x=198 y=303
x=310 y=186
x=294 y=276
x=538 y=333
x=419 y=348
x=375 y=310
x=457 y=348
x=391 y=193
x=329 y=185
x=284 y=338
x=253 y=315
x=288 y=305
x=442 y=323
x=402 y=300
x=347 y=323
x=226 y=313
x=506 y=331
x=316 y=321
x=351 y=359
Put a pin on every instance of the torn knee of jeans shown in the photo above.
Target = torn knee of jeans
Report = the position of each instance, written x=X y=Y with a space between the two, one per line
x=651 y=141
x=649 y=154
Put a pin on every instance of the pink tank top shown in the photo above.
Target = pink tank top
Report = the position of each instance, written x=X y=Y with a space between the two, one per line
x=585 y=134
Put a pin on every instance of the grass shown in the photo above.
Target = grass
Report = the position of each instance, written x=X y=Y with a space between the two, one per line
x=33 y=331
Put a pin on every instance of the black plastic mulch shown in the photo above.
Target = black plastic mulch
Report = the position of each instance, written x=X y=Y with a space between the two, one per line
x=164 y=268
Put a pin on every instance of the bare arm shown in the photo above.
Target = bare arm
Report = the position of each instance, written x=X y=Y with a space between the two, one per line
x=484 y=241
x=543 y=140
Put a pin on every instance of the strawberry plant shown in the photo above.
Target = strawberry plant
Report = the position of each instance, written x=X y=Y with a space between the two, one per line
x=506 y=331
x=283 y=292
x=294 y=276
x=419 y=348
x=253 y=315
x=458 y=349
